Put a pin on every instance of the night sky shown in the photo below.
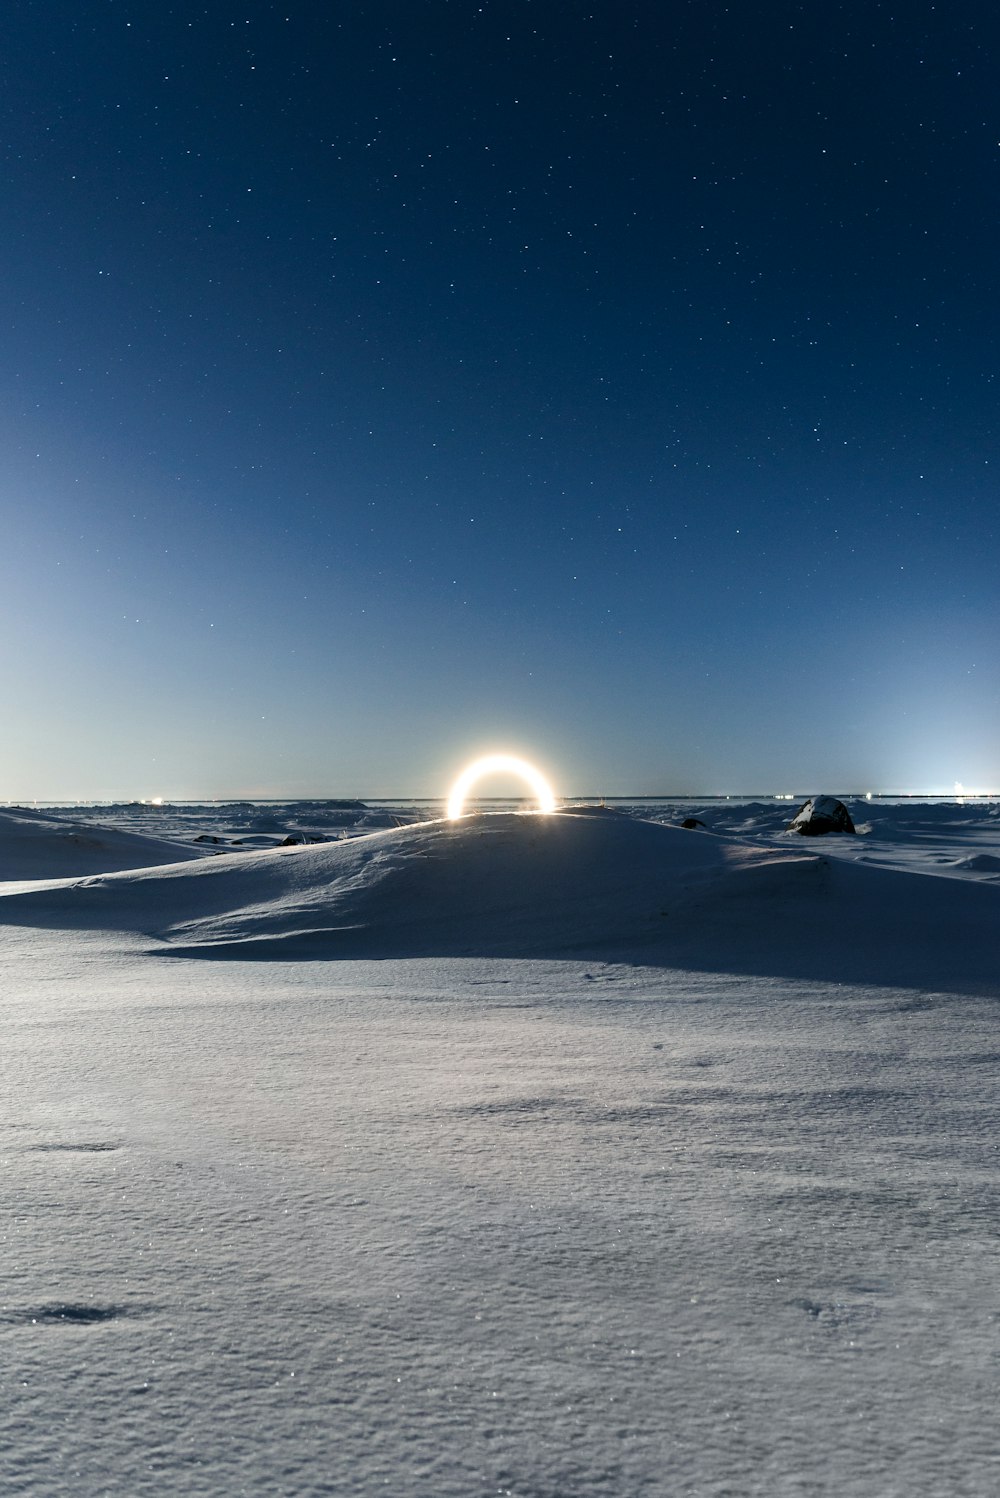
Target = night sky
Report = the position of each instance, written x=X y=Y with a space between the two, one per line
x=614 y=384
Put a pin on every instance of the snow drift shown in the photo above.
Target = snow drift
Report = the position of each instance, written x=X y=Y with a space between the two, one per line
x=584 y=882
x=36 y=846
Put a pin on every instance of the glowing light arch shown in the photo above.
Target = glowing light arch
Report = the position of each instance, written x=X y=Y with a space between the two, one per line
x=503 y=764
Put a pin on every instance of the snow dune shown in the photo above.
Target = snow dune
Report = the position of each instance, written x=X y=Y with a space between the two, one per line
x=585 y=882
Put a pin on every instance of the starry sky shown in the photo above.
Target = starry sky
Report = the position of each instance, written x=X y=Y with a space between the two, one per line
x=609 y=383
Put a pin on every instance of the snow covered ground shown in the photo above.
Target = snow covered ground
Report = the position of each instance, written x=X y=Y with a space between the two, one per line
x=552 y=1157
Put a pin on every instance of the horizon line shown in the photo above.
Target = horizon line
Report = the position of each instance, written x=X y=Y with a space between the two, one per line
x=157 y=802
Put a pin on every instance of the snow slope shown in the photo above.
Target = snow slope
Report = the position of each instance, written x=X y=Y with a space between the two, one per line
x=34 y=845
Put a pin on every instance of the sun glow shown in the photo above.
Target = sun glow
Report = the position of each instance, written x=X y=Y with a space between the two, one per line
x=499 y=764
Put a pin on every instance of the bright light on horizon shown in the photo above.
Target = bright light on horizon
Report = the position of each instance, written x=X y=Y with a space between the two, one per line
x=499 y=764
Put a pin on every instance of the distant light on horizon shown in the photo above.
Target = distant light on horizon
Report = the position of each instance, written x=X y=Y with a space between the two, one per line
x=499 y=764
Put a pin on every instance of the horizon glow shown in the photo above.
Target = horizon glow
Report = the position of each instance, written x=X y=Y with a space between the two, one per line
x=499 y=764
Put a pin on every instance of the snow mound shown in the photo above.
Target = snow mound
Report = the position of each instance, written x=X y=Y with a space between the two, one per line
x=36 y=846
x=504 y=879
x=581 y=882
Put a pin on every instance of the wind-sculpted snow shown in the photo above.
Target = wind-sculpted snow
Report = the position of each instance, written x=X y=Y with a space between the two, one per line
x=580 y=882
x=34 y=845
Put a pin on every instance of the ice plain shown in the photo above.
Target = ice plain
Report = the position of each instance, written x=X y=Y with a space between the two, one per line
x=556 y=1156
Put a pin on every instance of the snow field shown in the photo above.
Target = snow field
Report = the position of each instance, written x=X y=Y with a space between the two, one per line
x=604 y=1223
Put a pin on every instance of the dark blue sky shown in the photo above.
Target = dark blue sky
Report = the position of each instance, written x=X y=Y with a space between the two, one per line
x=386 y=383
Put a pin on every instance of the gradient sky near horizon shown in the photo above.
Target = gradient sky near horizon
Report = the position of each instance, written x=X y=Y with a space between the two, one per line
x=383 y=384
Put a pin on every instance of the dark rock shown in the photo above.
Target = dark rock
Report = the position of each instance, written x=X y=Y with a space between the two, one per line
x=206 y=837
x=692 y=822
x=821 y=814
x=291 y=841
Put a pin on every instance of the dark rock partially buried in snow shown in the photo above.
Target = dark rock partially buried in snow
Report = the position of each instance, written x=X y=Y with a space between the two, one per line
x=821 y=814
x=691 y=823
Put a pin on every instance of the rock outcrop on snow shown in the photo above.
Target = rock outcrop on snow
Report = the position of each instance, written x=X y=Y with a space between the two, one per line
x=821 y=814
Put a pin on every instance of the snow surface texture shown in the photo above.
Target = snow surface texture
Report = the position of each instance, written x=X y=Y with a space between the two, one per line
x=562 y=1156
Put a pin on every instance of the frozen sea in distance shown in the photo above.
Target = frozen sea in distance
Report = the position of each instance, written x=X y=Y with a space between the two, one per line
x=350 y=1151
